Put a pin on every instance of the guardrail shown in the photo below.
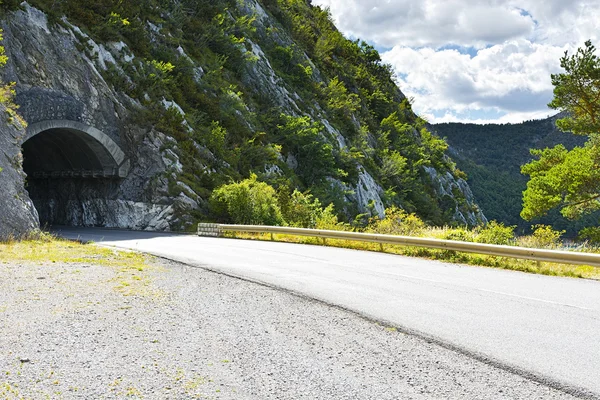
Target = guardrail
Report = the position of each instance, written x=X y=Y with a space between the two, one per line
x=540 y=255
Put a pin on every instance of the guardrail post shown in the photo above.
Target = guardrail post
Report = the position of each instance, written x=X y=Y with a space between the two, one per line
x=210 y=230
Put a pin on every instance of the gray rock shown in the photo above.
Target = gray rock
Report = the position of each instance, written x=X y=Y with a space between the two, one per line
x=18 y=216
x=56 y=81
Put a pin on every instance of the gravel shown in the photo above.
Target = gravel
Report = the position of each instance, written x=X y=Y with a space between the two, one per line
x=177 y=332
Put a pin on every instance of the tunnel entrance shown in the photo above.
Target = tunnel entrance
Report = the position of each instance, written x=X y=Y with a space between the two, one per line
x=73 y=170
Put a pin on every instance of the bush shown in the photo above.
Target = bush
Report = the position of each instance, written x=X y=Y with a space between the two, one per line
x=397 y=222
x=496 y=233
x=248 y=202
x=329 y=221
x=591 y=234
x=459 y=234
x=543 y=236
x=300 y=209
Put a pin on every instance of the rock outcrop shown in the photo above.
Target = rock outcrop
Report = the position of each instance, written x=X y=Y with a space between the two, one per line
x=57 y=81
x=18 y=216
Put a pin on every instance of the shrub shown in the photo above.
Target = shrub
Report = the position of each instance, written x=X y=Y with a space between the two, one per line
x=496 y=233
x=248 y=202
x=542 y=236
x=397 y=222
x=216 y=138
x=591 y=234
x=303 y=138
x=300 y=209
x=459 y=234
x=329 y=221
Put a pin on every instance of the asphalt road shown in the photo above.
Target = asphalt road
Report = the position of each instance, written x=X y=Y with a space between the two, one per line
x=544 y=328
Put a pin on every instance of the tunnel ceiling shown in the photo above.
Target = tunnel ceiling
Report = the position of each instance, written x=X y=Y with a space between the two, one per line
x=55 y=149
x=66 y=152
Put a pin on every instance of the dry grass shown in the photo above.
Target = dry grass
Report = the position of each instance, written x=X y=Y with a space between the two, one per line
x=130 y=268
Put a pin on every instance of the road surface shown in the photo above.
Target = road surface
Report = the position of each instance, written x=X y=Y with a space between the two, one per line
x=544 y=328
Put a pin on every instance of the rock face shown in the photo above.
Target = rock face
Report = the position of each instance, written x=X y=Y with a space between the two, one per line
x=57 y=81
x=120 y=171
x=18 y=216
x=459 y=194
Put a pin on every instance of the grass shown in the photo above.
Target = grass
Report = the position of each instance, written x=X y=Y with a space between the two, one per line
x=50 y=249
x=528 y=266
x=130 y=267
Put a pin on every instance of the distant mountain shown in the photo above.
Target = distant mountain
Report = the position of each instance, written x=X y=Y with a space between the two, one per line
x=492 y=155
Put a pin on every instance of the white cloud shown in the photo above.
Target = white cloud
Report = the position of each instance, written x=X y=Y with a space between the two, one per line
x=469 y=23
x=513 y=46
x=511 y=77
x=429 y=23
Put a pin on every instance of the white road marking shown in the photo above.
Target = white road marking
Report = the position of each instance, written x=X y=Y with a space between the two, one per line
x=536 y=299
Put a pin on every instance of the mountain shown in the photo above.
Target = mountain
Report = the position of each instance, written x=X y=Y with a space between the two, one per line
x=492 y=155
x=137 y=111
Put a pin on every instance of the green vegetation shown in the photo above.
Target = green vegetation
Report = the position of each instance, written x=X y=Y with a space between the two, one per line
x=491 y=156
x=248 y=202
x=496 y=233
x=570 y=179
x=42 y=247
x=251 y=202
x=7 y=91
x=206 y=56
x=397 y=222
x=130 y=269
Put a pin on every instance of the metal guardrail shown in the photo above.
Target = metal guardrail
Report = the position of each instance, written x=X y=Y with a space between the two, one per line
x=540 y=255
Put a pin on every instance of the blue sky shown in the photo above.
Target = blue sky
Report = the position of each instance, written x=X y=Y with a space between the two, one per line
x=472 y=60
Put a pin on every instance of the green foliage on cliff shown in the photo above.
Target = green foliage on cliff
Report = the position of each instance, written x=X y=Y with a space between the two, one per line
x=269 y=88
x=7 y=92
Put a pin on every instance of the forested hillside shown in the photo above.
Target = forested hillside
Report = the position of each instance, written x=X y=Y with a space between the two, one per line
x=492 y=155
x=268 y=88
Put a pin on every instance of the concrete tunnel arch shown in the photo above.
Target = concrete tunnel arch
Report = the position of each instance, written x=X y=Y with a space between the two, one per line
x=68 y=148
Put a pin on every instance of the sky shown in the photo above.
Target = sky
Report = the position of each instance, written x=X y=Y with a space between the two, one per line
x=480 y=61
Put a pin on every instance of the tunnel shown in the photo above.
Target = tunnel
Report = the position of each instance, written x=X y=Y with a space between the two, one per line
x=72 y=170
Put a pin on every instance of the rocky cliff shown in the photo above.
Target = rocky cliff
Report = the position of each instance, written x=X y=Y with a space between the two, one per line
x=57 y=81
x=137 y=112
x=17 y=213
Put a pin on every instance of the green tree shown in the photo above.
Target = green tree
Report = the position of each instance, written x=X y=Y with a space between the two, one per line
x=577 y=91
x=566 y=179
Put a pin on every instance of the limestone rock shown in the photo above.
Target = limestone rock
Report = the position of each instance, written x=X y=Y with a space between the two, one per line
x=18 y=216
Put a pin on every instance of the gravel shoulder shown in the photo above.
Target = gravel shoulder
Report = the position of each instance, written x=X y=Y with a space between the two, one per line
x=79 y=330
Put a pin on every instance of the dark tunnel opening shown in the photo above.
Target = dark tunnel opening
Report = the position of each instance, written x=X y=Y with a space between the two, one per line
x=69 y=173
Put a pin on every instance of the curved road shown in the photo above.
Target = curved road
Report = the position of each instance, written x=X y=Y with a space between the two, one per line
x=545 y=328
